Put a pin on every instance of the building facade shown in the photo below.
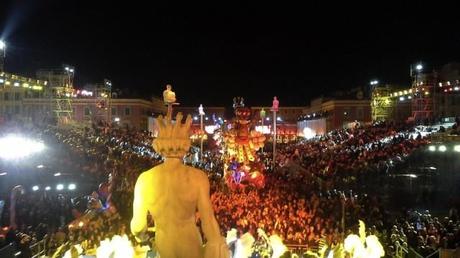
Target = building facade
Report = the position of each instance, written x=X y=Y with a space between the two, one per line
x=324 y=115
x=128 y=113
x=14 y=90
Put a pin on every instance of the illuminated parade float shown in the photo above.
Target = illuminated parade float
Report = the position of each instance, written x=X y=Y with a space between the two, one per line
x=242 y=164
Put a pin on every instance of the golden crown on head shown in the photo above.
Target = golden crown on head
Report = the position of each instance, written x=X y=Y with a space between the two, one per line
x=173 y=140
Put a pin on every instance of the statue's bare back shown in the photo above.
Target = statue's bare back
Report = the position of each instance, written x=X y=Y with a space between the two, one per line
x=173 y=193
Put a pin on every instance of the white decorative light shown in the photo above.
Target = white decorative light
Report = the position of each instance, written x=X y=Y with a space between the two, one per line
x=72 y=187
x=263 y=129
x=432 y=148
x=210 y=129
x=442 y=148
x=457 y=148
x=35 y=188
x=59 y=187
x=15 y=147
x=308 y=133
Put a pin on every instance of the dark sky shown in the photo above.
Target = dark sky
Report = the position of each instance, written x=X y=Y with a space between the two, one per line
x=212 y=53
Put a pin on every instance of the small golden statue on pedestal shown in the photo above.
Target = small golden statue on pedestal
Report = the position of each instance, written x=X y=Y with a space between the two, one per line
x=169 y=97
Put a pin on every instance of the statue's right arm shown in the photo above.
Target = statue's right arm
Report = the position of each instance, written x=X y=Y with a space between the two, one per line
x=139 y=220
x=215 y=246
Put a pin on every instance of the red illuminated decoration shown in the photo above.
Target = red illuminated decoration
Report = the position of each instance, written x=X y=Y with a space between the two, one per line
x=243 y=166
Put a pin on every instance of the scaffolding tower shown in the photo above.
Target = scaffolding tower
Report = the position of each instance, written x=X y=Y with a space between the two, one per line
x=382 y=104
x=423 y=95
x=60 y=92
x=103 y=96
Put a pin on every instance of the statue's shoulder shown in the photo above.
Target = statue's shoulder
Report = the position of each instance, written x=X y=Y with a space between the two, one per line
x=199 y=174
x=148 y=174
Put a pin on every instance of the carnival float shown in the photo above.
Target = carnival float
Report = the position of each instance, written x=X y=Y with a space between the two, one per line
x=240 y=144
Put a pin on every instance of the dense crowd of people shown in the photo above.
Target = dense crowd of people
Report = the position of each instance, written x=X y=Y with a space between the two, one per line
x=425 y=233
x=315 y=192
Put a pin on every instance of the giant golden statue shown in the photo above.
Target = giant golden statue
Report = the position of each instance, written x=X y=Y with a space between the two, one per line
x=172 y=193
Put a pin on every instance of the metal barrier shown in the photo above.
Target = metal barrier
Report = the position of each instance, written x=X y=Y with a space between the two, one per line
x=39 y=249
x=400 y=251
x=8 y=251
x=297 y=249
x=414 y=253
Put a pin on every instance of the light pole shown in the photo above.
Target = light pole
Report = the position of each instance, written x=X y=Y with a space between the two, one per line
x=2 y=54
x=419 y=95
x=342 y=222
x=108 y=85
x=275 y=105
x=201 y=112
x=374 y=84
x=262 y=118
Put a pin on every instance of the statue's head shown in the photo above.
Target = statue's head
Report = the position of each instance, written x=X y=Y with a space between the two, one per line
x=173 y=140
x=168 y=86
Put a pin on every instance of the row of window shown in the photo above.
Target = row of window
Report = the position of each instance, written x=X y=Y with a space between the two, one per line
x=10 y=109
x=10 y=96
x=127 y=111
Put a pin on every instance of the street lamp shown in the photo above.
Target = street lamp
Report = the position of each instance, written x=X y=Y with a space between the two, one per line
x=275 y=105
x=263 y=114
x=201 y=113
x=419 y=67
x=262 y=118
x=374 y=82
x=2 y=54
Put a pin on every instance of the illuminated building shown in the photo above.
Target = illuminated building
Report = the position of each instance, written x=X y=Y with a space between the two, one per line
x=432 y=96
x=382 y=104
x=324 y=115
x=286 y=124
x=14 y=90
x=52 y=99
x=124 y=112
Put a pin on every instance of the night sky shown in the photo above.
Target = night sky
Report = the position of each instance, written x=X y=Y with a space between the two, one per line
x=212 y=53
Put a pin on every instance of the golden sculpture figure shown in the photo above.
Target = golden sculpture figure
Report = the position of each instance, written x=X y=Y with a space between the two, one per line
x=172 y=193
x=169 y=97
